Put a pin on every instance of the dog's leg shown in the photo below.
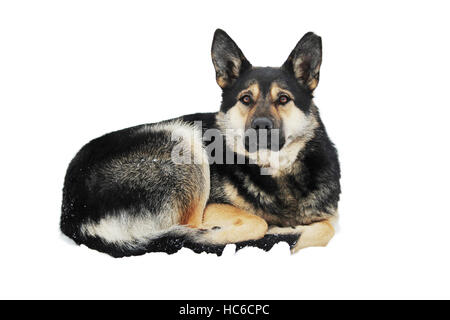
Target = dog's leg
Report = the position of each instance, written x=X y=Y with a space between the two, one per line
x=230 y=224
x=193 y=216
x=317 y=234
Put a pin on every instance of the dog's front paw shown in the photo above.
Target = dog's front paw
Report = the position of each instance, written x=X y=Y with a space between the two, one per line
x=313 y=235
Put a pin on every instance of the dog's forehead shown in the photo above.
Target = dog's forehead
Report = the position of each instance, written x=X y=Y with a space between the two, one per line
x=265 y=79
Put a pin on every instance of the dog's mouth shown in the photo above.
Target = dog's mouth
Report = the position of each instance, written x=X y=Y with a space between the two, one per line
x=255 y=140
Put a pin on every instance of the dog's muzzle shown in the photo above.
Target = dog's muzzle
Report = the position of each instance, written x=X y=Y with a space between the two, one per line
x=263 y=135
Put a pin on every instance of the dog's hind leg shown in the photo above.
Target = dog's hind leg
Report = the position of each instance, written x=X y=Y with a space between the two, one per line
x=231 y=224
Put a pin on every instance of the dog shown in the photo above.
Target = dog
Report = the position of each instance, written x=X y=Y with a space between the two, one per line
x=200 y=181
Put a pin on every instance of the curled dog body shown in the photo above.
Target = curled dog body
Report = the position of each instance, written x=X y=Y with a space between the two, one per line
x=273 y=176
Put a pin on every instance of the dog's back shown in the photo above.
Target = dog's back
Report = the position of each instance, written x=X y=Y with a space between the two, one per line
x=123 y=190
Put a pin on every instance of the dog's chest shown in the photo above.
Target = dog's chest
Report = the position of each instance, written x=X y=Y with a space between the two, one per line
x=277 y=199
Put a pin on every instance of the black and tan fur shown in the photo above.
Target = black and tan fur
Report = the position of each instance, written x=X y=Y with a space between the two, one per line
x=124 y=194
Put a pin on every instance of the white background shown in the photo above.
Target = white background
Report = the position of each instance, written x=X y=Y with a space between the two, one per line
x=73 y=70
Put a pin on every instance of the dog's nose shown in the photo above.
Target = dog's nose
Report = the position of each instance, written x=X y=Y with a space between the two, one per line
x=262 y=123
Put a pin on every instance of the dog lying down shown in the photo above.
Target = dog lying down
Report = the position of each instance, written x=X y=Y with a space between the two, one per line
x=259 y=171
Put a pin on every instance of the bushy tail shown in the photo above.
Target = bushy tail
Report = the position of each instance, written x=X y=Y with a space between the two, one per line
x=169 y=241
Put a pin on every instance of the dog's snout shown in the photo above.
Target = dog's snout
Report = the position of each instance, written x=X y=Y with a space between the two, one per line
x=262 y=123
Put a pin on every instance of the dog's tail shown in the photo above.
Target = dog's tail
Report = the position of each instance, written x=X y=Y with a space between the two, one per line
x=170 y=241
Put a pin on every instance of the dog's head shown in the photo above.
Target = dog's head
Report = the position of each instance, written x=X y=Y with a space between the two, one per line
x=273 y=103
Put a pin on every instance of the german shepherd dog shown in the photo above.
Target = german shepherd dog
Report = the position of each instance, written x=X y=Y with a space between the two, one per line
x=126 y=194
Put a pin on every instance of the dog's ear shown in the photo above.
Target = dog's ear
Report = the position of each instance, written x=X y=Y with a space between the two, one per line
x=228 y=59
x=304 y=61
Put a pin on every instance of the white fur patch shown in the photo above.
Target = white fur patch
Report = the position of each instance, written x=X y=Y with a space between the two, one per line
x=122 y=228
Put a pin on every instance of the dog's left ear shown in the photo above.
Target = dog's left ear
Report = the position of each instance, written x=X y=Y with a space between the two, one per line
x=304 y=61
x=228 y=59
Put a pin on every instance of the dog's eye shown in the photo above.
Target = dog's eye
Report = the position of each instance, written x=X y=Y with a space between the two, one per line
x=283 y=99
x=246 y=99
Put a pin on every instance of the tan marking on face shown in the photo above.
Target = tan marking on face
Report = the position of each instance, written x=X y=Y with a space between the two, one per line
x=250 y=115
x=232 y=123
x=246 y=112
x=276 y=90
x=295 y=122
x=252 y=90
x=275 y=115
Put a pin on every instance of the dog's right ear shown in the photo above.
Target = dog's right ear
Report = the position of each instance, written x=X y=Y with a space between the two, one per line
x=228 y=59
x=305 y=60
